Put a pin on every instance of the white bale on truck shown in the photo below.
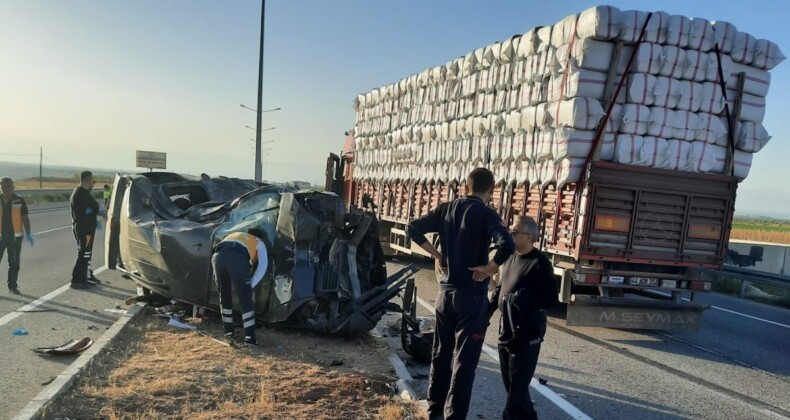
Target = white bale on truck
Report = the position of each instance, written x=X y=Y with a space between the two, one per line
x=624 y=133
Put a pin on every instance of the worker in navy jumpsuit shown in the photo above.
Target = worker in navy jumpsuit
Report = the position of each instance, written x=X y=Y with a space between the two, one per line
x=233 y=261
x=467 y=227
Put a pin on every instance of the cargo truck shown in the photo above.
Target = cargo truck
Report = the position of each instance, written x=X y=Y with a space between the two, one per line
x=626 y=241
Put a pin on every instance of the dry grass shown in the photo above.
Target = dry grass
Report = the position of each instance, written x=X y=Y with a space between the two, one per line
x=776 y=237
x=24 y=184
x=163 y=373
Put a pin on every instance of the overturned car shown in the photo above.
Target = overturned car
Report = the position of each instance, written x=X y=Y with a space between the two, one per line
x=326 y=267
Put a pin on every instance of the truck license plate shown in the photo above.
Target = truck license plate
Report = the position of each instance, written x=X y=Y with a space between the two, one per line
x=643 y=281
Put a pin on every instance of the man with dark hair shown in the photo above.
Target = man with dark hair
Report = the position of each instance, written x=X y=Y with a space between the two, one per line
x=526 y=288
x=84 y=222
x=15 y=223
x=466 y=228
x=233 y=260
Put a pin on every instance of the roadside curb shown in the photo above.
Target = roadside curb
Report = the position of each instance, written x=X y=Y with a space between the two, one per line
x=405 y=391
x=41 y=403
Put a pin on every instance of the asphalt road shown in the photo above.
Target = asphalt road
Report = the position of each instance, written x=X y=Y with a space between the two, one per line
x=735 y=367
x=66 y=313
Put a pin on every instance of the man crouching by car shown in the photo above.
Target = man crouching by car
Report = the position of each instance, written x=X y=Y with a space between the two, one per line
x=525 y=289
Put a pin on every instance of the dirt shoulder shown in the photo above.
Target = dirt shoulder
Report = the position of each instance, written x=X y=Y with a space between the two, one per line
x=152 y=370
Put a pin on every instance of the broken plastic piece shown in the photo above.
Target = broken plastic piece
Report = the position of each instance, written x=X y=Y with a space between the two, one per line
x=20 y=331
x=116 y=311
x=178 y=324
x=543 y=381
x=72 y=347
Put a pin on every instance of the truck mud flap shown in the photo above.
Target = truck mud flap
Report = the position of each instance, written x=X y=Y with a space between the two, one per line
x=626 y=313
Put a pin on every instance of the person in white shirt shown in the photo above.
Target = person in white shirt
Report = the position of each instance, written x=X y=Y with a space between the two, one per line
x=233 y=262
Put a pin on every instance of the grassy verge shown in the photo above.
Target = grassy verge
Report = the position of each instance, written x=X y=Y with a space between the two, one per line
x=774 y=231
x=156 y=371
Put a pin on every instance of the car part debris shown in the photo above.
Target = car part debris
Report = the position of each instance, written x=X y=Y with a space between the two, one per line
x=415 y=342
x=72 y=347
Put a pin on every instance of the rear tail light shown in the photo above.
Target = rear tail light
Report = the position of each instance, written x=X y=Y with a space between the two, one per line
x=700 y=285
x=589 y=278
x=704 y=231
x=612 y=222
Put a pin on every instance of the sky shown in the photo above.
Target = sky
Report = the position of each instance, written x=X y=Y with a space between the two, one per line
x=93 y=81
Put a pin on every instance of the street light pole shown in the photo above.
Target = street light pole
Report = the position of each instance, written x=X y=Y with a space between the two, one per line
x=258 y=165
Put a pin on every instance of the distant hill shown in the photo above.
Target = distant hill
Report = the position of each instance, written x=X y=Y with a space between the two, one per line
x=18 y=170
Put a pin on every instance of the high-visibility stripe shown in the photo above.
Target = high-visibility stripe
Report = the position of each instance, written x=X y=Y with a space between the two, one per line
x=250 y=323
x=247 y=315
x=227 y=311
x=227 y=319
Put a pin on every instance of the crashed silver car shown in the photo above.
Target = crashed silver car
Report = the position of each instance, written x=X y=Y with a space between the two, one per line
x=326 y=266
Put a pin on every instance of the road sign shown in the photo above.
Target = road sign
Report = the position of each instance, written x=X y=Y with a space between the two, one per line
x=151 y=160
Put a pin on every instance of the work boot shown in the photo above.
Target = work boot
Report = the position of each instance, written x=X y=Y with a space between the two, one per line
x=80 y=285
x=14 y=290
x=251 y=341
x=131 y=300
x=94 y=280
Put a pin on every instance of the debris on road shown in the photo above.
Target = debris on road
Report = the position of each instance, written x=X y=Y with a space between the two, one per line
x=543 y=381
x=116 y=311
x=20 y=331
x=174 y=322
x=72 y=347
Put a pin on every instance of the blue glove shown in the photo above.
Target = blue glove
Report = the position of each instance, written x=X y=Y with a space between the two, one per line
x=29 y=238
x=89 y=211
x=98 y=225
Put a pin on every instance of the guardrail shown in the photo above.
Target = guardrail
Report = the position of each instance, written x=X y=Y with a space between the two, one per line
x=747 y=277
x=36 y=191
x=51 y=195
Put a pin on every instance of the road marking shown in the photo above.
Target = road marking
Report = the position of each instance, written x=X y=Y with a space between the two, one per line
x=730 y=311
x=40 y=301
x=51 y=230
x=552 y=396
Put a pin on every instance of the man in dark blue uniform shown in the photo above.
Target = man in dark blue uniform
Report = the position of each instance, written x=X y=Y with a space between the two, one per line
x=84 y=222
x=526 y=288
x=466 y=228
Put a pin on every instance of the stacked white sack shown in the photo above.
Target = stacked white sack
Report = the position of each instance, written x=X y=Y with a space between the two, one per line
x=528 y=107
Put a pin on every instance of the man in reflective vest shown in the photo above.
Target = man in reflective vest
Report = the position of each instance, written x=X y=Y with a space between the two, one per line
x=233 y=262
x=107 y=193
x=15 y=224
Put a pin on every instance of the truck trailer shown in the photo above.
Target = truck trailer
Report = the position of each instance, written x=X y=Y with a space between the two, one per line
x=553 y=113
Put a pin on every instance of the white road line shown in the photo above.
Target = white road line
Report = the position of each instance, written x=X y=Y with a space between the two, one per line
x=40 y=301
x=732 y=312
x=51 y=230
x=552 y=396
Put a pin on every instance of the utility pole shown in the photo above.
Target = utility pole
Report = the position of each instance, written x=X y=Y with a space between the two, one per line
x=258 y=165
x=40 y=168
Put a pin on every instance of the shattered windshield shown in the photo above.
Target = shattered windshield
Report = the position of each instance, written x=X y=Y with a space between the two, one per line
x=257 y=211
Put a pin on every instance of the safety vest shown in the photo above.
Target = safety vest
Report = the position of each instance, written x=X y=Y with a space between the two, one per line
x=16 y=214
x=107 y=194
x=249 y=241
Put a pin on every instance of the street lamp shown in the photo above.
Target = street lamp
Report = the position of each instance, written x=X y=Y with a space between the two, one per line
x=253 y=129
x=255 y=110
